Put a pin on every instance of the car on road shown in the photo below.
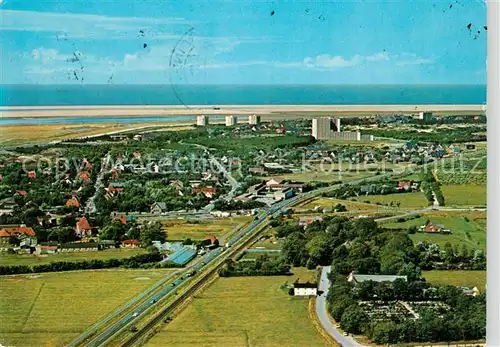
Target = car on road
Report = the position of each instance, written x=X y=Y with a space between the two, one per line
x=345 y=333
x=135 y=314
x=152 y=301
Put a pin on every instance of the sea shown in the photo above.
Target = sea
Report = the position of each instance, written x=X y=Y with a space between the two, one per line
x=214 y=95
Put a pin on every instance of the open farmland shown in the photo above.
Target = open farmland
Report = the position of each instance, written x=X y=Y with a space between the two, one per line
x=471 y=233
x=457 y=278
x=32 y=259
x=196 y=230
x=406 y=200
x=464 y=195
x=243 y=311
x=53 y=308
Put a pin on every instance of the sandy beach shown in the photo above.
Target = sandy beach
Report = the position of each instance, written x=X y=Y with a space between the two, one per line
x=269 y=110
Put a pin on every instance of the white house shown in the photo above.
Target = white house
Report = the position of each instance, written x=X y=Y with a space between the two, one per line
x=305 y=289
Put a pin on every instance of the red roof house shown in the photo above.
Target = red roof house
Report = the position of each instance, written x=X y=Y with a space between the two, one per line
x=31 y=174
x=209 y=192
x=84 y=176
x=73 y=202
x=131 y=243
x=83 y=227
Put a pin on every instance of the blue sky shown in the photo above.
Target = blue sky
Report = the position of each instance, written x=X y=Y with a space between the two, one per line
x=242 y=42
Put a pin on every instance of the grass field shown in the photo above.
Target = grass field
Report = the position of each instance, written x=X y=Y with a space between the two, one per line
x=350 y=205
x=464 y=195
x=53 y=308
x=31 y=259
x=406 y=200
x=457 y=278
x=178 y=229
x=243 y=312
x=325 y=175
x=471 y=233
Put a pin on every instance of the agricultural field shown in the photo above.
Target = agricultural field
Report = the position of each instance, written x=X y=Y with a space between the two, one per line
x=464 y=195
x=243 y=311
x=32 y=259
x=53 y=308
x=179 y=229
x=457 y=278
x=471 y=233
x=406 y=200
x=326 y=175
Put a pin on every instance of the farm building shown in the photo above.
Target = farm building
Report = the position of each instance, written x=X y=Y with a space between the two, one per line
x=355 y=278
x=305 y=289
x=183 y=256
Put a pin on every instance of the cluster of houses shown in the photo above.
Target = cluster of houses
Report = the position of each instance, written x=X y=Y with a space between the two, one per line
x=23 y=238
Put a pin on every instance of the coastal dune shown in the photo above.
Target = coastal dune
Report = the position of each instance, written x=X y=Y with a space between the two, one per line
x=176 y=110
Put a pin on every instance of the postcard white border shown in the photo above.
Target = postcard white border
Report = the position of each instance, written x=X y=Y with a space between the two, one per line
x=493 y=224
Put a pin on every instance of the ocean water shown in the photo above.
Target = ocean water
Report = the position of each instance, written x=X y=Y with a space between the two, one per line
x=60 y=95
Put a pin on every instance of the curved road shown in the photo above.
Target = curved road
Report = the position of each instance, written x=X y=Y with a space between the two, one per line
x=322 y=312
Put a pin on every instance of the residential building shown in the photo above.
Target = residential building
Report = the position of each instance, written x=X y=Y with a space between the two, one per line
x=254 y=119
x=25 y=236
x=305 y=289
x=73 y=202
x=83 y=228
x=305 y=221
x=231 y=120
x=84 y=176
x=177 y=184
x=201 y=120
x=329 y=128
x=131 y=243
x=158 y=208
x=31 y=174
x=322 y=127
x=356 y=278
x=430 y=227
x=425 y=116
x=209 y=192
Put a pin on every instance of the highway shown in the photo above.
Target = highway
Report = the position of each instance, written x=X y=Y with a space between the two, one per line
x=260 y=221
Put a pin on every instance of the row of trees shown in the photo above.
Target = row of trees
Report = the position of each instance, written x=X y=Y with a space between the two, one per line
x=138 y=261
x=262 y=266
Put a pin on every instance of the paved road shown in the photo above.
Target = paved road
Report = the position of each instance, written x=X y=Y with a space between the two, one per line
x=322 y=312
x=90 y=206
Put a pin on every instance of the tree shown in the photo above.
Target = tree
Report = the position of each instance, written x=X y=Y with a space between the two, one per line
x=411 y=272
x=150 y=232
x=318 y=250
x=294 y=249
x=353 y=319
x=115 y=230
